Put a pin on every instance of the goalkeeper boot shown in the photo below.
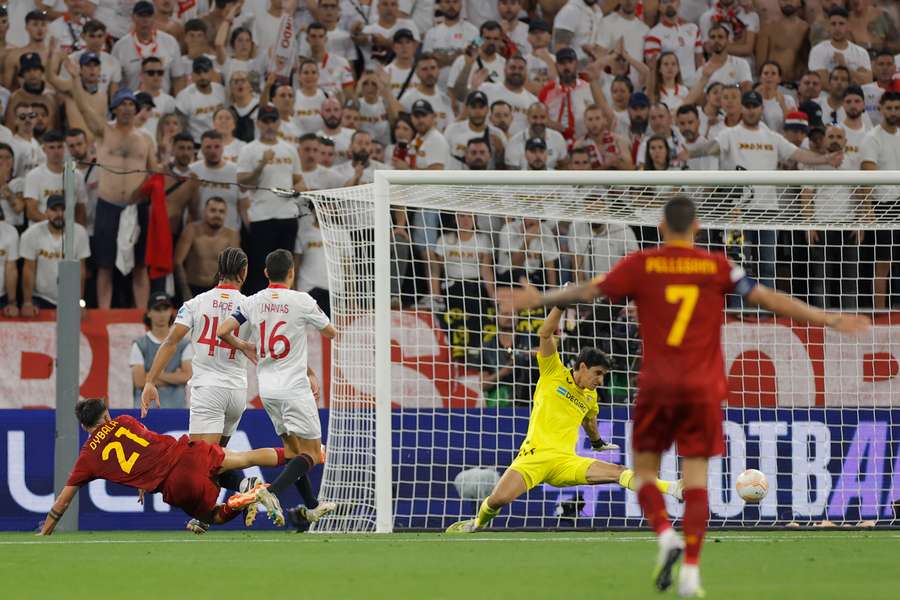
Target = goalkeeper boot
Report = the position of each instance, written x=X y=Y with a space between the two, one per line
x=467 y=526
x=689 y=582
x=671 y=548
x=197 y=526
x=314 y=514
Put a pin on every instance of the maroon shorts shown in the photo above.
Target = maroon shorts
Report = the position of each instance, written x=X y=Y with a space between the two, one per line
x=190 y=484
x=694 y=422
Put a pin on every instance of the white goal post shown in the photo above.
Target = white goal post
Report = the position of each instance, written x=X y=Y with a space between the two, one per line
x=421 y=422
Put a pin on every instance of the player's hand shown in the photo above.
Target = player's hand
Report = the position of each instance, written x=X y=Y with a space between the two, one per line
x=599 y=445
x=835 y=159
x=267 y=157
x=148 y=397
x=512 y=300
x=849 y=324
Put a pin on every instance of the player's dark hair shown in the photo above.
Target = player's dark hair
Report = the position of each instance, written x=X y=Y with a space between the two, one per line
x=231 y=262
x=593 y=357
x=680 y=214
x=89 y=411
x=278 y=264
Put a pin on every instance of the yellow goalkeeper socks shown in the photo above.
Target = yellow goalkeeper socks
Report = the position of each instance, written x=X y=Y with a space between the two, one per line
x=485 y=514
x=626 y=480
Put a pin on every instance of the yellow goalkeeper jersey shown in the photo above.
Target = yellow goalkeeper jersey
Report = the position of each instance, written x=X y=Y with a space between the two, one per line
x=558 y=409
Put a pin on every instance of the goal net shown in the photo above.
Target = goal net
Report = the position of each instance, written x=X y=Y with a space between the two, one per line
x=432 y=387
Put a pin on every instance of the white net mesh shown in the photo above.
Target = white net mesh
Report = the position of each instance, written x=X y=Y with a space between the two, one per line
x=817 y=413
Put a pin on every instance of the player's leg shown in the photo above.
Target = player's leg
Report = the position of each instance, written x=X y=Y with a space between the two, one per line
x=512 y=484
x=601 y=472
x=207 y=423
x=670 y=546
x=696 y=514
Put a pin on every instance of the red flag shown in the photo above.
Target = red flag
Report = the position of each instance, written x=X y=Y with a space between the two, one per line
x=158 y=257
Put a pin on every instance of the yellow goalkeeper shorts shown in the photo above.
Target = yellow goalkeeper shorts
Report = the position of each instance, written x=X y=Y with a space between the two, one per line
x=559 y=469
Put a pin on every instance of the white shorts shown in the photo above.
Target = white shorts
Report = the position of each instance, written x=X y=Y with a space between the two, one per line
x=298 y=416
x=215 y=409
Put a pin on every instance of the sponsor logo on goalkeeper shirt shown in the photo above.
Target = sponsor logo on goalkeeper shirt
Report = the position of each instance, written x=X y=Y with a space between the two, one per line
x=572 y=398
x=680 y=265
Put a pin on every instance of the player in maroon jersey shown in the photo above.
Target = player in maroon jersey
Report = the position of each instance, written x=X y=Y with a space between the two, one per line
x=680 y=294
x=123 y=451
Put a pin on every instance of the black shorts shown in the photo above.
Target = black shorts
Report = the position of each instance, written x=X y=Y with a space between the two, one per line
x=106 y=232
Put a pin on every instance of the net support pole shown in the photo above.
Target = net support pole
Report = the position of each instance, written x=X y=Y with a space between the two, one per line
x=68 y=335
x=384 y=518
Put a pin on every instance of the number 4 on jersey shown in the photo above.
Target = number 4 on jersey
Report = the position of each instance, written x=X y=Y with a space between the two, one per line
x=208 y=337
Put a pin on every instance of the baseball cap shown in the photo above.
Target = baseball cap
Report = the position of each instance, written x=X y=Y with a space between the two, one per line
x=143 y=99
x=539 y=25
x=566 y=54
x=751 y=98
x=476 y=97
x=813 y=112
x=403 y=34
x=30 y=60
x=796 y=120
x=88 y=58
x=56 y=200
x=123 y=95
x=158 y=299
x=267 y=113
x=143 y=9
x=422 y=107
x=202 y=64
x=639 y=100
x=535 y=143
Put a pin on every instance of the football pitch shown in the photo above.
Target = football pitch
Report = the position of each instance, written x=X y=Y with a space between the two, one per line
x=500 y=564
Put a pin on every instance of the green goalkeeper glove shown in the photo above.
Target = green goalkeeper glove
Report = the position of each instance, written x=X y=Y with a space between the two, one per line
x=599 y=445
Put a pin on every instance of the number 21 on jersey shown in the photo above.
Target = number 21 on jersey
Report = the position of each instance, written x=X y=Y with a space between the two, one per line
x=686 y=297
x=126 y=464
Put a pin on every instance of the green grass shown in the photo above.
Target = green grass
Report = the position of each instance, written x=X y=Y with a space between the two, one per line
x=497 y=565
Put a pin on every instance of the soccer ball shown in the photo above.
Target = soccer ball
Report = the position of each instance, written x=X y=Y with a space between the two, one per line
x=248 y=483
x=752 y=486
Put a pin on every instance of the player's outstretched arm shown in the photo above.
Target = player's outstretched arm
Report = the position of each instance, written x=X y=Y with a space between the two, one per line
x=547 y=331
x=166 y=351
x=527 y=296
x=784 y=305
x=59 y=509
x=226 y=333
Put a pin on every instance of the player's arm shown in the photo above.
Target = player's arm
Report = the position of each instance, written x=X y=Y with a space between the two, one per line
x=528 y=296
x=598 y=444
x=547 y=331
x=59 y=509
x=784 y=305
x=710 y=149
x=226 y=333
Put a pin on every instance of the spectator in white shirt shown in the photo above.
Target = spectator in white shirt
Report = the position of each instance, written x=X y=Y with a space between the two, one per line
x=429 y=150
x=145 y=41
x=376 y=40
x=425 y=88
x=515 y=30
x=555 y=143
x=839 y=50
x=478 y=64
x=732 y=70
x=199 y=101
x=881 y=152
x=448 y=39
x=674 y=35
x=576 y=25
x=624 y=24
x=360 y=169
x=884 y=68
x=512 y=91
x=42 y=248
x=459 y=133
x=332 y=113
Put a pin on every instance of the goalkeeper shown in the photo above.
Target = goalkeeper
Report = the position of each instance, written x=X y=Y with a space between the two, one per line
x=563 y=400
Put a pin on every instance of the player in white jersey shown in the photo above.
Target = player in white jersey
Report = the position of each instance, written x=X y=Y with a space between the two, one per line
x=279 y=315
x=219 y=381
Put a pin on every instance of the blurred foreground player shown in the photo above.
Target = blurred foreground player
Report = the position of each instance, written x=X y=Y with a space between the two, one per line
x=564 y=400
x=123 y=451
x=680 y=294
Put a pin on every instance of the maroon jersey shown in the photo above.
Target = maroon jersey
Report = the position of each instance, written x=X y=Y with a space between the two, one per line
x=680 y=293
x=126 y=452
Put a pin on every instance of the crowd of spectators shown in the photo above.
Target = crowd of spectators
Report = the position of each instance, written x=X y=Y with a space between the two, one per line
x=229 y=101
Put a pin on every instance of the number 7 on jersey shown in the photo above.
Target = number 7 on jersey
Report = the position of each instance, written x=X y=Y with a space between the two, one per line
x=686 y=296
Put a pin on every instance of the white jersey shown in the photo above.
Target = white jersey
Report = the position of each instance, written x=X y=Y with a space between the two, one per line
x=215 y=363
x=307 y=111
x=280 y=317
x=219 y=182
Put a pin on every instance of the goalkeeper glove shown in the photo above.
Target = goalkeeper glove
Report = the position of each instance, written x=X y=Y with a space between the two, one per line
x=599 y=445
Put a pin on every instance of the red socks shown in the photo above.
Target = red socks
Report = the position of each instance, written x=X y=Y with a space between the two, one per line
x=654 y=507
x=696 y=513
